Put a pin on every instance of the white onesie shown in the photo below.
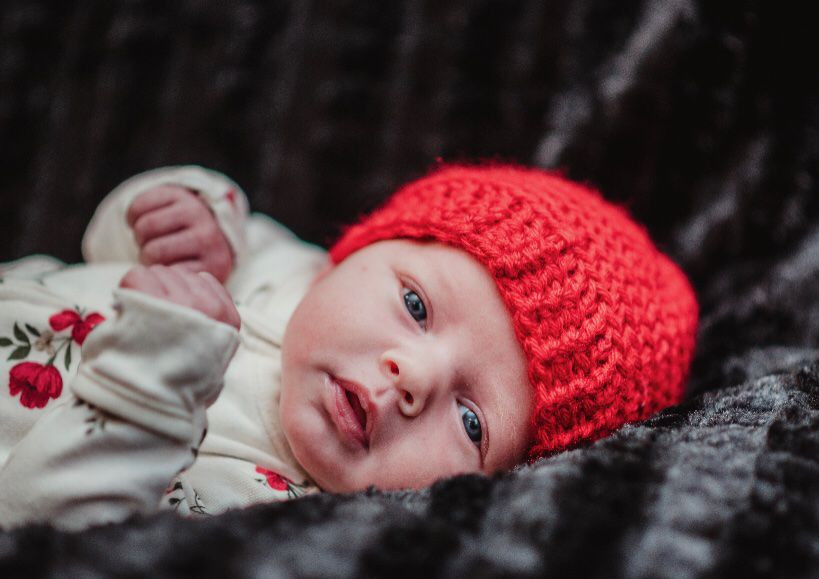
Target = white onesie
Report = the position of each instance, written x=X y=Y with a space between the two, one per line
x=106 y=394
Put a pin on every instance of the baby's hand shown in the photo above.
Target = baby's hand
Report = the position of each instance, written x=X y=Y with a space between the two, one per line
x=200 y=291
x=173 y=226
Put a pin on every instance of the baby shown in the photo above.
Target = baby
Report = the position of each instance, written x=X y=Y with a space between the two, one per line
x=482 y=318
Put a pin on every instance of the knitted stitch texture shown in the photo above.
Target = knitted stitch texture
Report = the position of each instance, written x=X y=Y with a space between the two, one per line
x=606 y=321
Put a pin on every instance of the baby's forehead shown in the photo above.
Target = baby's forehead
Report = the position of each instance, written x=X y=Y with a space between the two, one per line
x=437 y=253
x=446 y=266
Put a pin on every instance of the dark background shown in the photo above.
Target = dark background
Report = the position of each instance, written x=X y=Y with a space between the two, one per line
x=319 y=109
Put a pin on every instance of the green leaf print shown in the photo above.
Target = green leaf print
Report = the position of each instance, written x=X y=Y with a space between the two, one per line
x=5 y=342
x=67 y=358
x=20 y=334
x=33 y=330
x=19 y=353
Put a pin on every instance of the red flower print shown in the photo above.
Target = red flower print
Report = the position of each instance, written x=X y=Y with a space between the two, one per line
x=274 y=480
x=80 y=326
x=35 y=383
x=231 y=197
x=64 y=319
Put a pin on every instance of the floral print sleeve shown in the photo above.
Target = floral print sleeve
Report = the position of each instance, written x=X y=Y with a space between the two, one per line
x=80 y=465
x=35 y=381
x=98 y=441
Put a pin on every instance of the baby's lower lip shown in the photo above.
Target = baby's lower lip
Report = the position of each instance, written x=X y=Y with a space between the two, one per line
x=344 y=417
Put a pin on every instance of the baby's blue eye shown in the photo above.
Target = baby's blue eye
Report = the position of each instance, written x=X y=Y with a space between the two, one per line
x=472 y=424
x=416 y=307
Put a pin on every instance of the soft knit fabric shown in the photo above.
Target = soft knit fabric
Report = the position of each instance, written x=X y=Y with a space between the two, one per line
x=123 y=432
x=606 y=321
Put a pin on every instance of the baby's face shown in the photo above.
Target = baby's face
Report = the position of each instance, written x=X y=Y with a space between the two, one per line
x=400 y=366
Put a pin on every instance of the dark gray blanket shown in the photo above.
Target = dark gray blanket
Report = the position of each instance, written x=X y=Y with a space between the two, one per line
x=688 y=112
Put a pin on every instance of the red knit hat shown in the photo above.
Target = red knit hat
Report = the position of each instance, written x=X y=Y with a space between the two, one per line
x=606 y=321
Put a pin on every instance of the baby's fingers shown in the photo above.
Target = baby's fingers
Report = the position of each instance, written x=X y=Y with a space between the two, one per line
x=142 y=279
x=184 y=245
x=153 y=199
x=231 y=314
x=160 y=222
x=177 y=289
x=191 y=265
x=200 y=292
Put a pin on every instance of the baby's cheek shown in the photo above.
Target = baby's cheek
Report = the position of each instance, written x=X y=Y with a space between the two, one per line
x=420 y=465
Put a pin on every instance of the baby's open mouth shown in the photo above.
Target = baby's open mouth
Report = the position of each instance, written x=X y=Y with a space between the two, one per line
x=354 y=413
x=355 y=403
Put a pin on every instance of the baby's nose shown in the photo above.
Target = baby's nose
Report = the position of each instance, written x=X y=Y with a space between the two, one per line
x=409 y=405
x=412 y=383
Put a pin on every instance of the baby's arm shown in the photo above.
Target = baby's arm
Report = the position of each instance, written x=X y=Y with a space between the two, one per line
x=137 y=411
x=172 y=215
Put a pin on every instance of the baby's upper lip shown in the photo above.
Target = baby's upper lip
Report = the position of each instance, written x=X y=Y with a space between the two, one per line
x=363 y=395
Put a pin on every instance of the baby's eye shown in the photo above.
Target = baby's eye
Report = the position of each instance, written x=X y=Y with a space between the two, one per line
x=472 y=424
x=416 y=307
